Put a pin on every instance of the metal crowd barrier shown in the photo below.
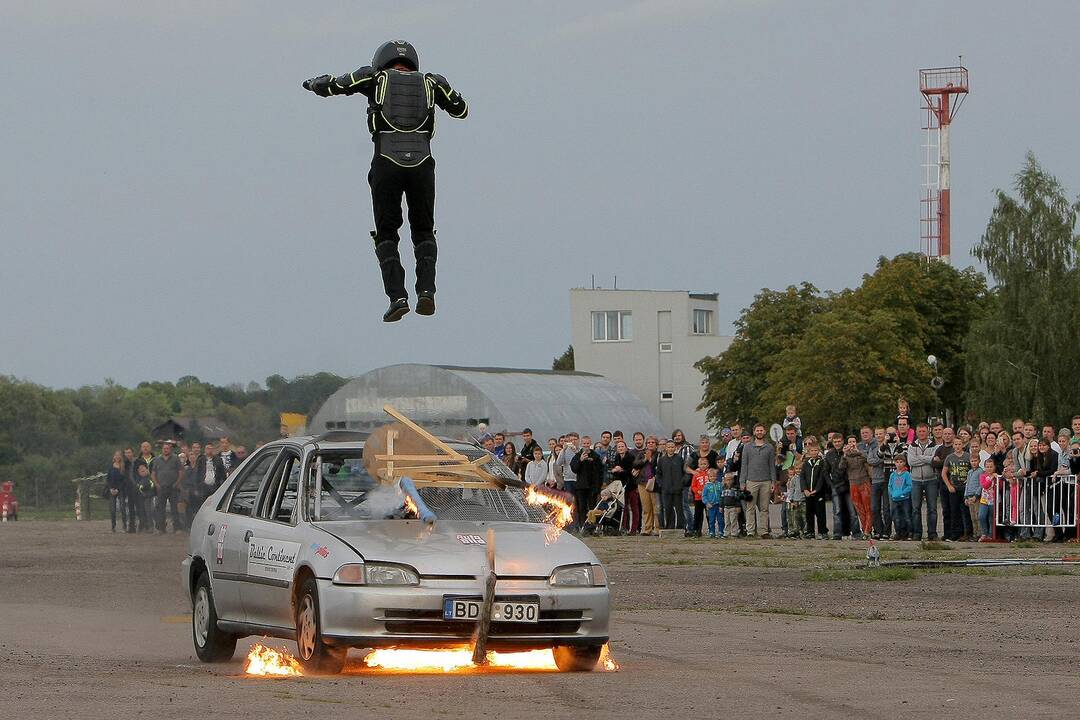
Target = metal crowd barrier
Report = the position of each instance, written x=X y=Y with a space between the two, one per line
x=1036 y=502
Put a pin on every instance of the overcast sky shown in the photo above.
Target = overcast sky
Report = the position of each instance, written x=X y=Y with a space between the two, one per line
x=172 y=202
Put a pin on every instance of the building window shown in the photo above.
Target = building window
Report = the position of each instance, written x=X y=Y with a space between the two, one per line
x=612 y=326
x=702 y=324
x=665 y=347
x=666 y=396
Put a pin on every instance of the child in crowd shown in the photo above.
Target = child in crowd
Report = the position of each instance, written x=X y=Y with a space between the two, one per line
x=729 y=501
x=973 y=487
x=796 y=506
x=791 y=417
x=900 y=494
x=710 y=495
x=1012 y=501
x=988 y=483
x=905 y=431
x=697 y=486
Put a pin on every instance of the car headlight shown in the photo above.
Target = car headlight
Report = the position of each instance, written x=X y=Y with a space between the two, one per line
x=391 y=575
x=579 y=576
x=375 y=574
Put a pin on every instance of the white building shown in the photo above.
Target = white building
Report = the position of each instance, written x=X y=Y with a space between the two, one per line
x=648 y=341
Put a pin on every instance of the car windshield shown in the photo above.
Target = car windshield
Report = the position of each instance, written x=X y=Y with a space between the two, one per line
x=346 y=491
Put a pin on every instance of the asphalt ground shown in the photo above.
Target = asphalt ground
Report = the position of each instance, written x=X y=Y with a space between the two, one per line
x=95 y=625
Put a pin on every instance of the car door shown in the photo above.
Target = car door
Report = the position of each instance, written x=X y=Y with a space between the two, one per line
x=274 y=546
x=230 y=565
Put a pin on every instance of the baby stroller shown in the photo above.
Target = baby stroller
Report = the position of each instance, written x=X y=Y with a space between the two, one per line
x=606 y=517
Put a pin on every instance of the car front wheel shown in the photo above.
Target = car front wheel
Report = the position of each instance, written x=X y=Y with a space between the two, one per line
x=569 y=658
x=211 y=645
x=314 y=655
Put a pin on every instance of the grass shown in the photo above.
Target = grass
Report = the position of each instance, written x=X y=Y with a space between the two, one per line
x=877 y=574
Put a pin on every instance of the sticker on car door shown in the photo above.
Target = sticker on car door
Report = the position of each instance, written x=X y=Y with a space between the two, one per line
x=272 y=558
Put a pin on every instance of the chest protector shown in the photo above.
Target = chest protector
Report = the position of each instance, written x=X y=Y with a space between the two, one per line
x=404 y=117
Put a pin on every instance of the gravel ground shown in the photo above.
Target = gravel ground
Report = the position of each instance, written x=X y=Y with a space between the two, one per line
x=95 y=625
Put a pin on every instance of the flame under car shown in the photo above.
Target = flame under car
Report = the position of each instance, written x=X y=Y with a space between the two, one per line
x=307 y=541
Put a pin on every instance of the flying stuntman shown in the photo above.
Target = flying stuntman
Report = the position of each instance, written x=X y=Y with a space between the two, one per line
x=401 y=119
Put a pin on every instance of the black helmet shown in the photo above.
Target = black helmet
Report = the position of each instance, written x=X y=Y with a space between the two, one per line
x=395 y=51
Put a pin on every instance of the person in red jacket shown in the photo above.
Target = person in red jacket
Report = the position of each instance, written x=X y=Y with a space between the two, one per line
x=697 y=486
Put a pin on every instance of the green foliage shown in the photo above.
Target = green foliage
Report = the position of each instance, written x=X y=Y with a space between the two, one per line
x=845 y=358
x=1023 y=360
x=565 y=361
x=736 y=380
x=48 y=437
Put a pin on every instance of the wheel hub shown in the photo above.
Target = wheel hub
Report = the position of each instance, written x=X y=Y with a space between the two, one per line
x=305 y=628
x=200 y=616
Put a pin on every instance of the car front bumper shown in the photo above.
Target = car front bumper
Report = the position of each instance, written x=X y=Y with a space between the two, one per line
x=411 y=616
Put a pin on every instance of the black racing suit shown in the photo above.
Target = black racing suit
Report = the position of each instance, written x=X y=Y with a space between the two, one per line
x=401 y=120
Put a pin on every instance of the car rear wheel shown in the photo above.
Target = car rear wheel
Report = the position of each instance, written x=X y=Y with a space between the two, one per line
x=570 y=658
x=211 y=645
x=314 y=655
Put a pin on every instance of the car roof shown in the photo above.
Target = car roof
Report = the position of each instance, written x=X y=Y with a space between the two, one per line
x=342 y=440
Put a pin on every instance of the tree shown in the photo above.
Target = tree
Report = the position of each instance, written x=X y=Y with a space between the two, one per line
x=565 y=361
x=944 y=301
x=1022 y=359
x=736 y=379
x=847 y=369
x=845 y=358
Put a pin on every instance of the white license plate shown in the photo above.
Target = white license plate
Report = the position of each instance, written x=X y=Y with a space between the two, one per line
x=502 y=611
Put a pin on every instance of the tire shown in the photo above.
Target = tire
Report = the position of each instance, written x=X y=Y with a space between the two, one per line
x=211 y=645
x=569 y=658
x=314 y=655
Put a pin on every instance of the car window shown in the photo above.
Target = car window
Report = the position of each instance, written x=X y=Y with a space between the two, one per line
x=348 y=492
x=345 y=488
x=246 y=488
x=279 y=500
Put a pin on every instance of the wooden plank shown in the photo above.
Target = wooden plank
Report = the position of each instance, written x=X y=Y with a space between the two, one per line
x=483 y=625
x=390 y=410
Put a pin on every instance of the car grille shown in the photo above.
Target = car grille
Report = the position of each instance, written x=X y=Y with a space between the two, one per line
x=430 y=622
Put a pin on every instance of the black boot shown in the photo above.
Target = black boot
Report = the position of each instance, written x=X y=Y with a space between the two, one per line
x=397 y=310
x=425 y=302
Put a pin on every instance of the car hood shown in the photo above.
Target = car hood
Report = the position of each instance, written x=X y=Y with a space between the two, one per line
x=452 y=548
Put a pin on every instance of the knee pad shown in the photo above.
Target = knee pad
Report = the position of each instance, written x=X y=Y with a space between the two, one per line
x=385 y=250
x=426 y=249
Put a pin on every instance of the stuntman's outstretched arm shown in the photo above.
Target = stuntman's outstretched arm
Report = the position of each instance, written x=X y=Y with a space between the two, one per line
x=359 y=81
x=447 y=97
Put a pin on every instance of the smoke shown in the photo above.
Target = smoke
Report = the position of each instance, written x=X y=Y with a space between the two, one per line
x=385 y=501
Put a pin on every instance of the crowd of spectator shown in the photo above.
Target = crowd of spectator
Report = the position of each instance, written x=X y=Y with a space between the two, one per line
x=882 y=482
x=888 y=481
x=148 y=492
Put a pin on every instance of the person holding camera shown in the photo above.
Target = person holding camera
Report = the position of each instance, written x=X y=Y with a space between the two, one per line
x=589 y=469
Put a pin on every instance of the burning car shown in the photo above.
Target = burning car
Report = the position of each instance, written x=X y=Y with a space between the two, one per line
x=9 y=505
x=396 y=540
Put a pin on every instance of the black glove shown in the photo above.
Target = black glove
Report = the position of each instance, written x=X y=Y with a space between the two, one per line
x=310 y=84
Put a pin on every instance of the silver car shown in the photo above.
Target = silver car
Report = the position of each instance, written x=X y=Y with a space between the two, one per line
x=302 y=543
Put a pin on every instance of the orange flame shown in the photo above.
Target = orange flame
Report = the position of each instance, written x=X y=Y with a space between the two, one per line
x=410 y=506
x=458 y=660
x=607 y=662
x=560 y=513
x=263 y=661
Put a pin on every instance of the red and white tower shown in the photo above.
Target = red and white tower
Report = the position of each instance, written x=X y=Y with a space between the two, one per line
x=943 y=91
